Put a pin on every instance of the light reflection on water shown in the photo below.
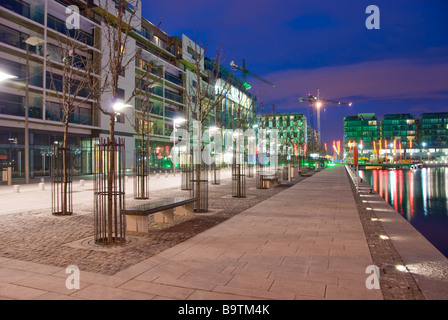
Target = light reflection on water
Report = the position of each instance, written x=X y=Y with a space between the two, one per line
x=420 y=196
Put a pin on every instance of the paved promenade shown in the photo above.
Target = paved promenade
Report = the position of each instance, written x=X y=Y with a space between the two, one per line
x=306 y=242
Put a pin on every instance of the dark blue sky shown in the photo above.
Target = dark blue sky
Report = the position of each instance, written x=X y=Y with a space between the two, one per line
x=302 y=46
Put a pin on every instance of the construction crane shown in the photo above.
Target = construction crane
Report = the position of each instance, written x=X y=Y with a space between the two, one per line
x=247 y=72
x=318 y=102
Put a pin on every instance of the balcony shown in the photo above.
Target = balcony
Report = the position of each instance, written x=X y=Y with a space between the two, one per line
x=56 y=83
x=24 y=10
x=18 y=109
x=172 y=78
x=77 y=34
x=17 y=39
x=173 y=96
x=74 y=118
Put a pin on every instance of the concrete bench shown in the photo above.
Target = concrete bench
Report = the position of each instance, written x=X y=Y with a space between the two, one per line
x=269 y=181
x=137 y=218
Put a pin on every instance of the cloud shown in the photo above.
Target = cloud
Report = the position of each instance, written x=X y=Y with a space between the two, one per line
x=384 y=86
x=363 y=82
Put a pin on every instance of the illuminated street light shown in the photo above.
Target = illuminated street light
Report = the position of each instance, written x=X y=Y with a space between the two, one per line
x=5 y=76
x=178 y=120
x=119 y=106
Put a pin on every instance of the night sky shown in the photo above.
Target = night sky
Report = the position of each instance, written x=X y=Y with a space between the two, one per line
x=303 y=46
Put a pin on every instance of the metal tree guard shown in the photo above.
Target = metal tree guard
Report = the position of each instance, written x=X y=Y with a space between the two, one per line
x=260 y=176
x=109 y=192
x=250 y=170
x=141 y=174
x=61 y=181
x=238 y=176
x=186 y=169
x=215 y=174
x=200 y=191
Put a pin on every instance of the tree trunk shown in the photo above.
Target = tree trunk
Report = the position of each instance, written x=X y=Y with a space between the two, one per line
x=110 y=179
x=65 y=169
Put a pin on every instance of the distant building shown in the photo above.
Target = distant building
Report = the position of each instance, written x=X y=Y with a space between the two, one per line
x=399 y=130
x=433 y=130
x=398 y=137
x=292 y=133
x=361 y=130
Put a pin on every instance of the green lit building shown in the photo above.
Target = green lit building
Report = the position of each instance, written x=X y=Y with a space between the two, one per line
x=362 y=130
x=292 y=133
x=399 y=129
x=399 y=137
x=433 y=130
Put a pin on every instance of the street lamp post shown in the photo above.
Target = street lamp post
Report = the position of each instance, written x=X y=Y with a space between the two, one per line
x=33 y=41
x=176 y=121
x=421 y=153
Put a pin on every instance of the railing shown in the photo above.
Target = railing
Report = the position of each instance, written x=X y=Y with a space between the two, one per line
x=145 y=65
x=55 y=82
x=74 y=118
x=173 y=96
x=24 y=10
x=174 y=79
x=18 y=109
x=157 y=91
x=77 y=34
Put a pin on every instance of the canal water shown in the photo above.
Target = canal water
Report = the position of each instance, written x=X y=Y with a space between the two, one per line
x=420 y=196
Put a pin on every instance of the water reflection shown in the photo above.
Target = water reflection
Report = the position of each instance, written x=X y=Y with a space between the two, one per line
x=420 y=196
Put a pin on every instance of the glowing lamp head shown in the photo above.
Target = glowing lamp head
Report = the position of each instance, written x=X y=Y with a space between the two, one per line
x=6 y=76
x=119 y=106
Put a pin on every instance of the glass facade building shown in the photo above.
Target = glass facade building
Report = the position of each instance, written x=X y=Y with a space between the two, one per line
x=292 y=133
x=361 y=130
x=398 y=137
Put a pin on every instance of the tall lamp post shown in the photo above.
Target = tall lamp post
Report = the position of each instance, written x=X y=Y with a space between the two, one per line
x=424 y=146
x=176 y=121
x=31 y=41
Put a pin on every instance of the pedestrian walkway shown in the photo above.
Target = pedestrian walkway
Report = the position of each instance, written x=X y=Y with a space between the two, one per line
x=33 y=197
x=306 y=242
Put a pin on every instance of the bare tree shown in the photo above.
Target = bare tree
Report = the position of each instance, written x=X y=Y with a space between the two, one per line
x=120 y=19
x=71 y=71
x=142 y=120
x=202 y=99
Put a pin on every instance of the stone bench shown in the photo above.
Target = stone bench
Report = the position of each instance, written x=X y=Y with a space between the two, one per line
x=137 y=217
x=269 y=181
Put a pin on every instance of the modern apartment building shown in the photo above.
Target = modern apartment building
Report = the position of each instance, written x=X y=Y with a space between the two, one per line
x=30 y=39
x=398 y=137
x=361 y=130
x=432 y=130
x=30 y=32
x=292 y=133
x=399 y=128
